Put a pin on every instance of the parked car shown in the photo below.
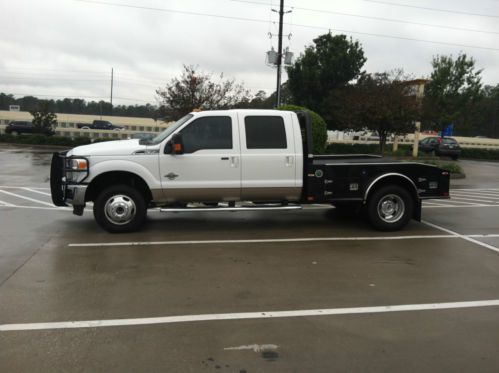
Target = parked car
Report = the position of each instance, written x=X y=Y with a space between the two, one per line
x=18 y=127
x=438 y=146
x=99 y=125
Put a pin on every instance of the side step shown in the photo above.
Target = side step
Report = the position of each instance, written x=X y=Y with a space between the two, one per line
x=240 y=208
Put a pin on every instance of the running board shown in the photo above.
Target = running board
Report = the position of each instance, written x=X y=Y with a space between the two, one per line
x=241 y=208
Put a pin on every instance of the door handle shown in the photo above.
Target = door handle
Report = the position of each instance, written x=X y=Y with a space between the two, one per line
x=289 y=160
x=224 y=158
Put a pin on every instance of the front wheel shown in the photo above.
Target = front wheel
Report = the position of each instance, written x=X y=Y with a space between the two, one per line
x=120 y=208
x=390 y=208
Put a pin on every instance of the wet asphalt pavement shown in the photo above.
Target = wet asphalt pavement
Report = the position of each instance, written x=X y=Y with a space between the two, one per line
x=57 y=267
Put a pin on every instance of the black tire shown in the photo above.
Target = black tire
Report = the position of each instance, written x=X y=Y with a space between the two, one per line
x=14 y=133
x=120 y=208
x=390 y=208
x=455 y=157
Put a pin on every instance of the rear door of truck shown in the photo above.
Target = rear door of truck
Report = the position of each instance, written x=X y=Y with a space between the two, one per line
x=268 y=157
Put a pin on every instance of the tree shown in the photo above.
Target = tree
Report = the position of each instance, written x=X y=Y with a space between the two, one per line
x=197 y=90
x=319 y=129
x=454 y=87
x=44 y=118
x=381 y=102
x=329 y=64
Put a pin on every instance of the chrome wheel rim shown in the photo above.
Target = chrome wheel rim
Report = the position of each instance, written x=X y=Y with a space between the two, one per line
x=120 y=209
x=391 y=208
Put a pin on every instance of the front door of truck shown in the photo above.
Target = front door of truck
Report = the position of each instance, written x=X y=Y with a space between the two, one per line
x=209 y=170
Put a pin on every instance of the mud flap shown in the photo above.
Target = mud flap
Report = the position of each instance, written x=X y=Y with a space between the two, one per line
x=416 y=215
x=57 y=188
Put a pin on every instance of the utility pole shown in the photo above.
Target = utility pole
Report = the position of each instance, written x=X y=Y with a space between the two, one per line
x=279 y=56
x=112 y=82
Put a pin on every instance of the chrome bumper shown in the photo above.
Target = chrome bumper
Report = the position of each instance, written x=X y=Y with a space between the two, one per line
x=75 y=194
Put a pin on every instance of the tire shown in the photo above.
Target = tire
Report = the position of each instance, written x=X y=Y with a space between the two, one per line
x=14 y=133
x=120 y=208
x=390 y=208
x=454 y=157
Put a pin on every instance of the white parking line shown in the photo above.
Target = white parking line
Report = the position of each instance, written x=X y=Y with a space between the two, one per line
x=6 y=204
x=474 y=195
x=22 y=186
x=452 y=201
x=470 y=238
x=246 y=315
x=269 y=240
x=37 y=191
x=472 y=199
x=26 y=198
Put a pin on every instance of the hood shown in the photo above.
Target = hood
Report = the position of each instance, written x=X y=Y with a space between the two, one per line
x=110 y=148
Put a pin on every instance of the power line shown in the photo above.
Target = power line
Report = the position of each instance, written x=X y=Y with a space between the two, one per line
x=376 y=18
x=433 y=9
x=302 y=25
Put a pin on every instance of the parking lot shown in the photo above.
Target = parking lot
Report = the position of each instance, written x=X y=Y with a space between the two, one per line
x=294 y=291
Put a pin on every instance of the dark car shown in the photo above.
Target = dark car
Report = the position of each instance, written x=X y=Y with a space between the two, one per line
x=99 y=125
x=438 y=146
x=19 y=127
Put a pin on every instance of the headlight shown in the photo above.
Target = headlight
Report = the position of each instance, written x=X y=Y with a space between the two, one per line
x=79 y=164
x=76 y=169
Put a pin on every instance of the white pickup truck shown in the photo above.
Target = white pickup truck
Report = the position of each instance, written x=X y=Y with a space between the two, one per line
x=236 y=160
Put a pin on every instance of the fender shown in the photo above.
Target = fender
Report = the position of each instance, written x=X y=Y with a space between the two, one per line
x=373 y=183
x=114 y=165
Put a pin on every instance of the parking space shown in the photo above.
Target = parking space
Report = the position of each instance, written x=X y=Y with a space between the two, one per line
x=307 y=290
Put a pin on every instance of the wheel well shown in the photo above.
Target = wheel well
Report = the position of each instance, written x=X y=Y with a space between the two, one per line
x=117 y=177
x=394 y=180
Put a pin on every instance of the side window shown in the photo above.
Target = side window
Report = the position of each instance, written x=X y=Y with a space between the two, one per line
x=208 y=133
x=265 y=132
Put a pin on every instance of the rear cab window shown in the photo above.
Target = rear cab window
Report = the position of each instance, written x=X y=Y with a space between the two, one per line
x=265 y=132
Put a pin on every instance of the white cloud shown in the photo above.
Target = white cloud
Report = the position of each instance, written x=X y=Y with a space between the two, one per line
x=67 y=47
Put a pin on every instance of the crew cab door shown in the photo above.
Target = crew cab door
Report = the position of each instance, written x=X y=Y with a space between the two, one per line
x=268 y=156
x=209 y=170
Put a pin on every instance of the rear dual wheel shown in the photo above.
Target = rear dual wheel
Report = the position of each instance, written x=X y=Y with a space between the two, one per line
x=390 y=208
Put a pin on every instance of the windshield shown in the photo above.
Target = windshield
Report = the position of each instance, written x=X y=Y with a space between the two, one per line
x=167 y=132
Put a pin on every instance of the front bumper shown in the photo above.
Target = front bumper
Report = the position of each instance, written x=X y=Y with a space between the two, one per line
x=64 y=192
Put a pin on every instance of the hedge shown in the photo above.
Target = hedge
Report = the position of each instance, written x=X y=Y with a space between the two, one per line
x=319 y=128
x=48 y=140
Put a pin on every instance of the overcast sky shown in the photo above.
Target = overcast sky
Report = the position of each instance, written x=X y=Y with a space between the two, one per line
x=66 y=48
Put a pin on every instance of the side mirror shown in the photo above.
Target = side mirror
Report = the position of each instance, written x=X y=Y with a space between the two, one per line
x=177 y=144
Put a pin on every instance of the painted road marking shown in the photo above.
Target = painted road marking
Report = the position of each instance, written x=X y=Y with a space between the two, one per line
x=281 y=240
x=246 y=315
x=264 y=240
x=6 y=204
x=37 y=191
x=464 y=237
x=26 y=198
x=472 y=199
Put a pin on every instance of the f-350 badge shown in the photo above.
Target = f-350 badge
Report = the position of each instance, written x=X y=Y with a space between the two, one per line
x=171 y=176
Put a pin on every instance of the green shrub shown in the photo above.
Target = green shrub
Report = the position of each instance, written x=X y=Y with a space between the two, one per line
x=319 y=128
x=474 y=153
x=453 y=168
x=44 y=140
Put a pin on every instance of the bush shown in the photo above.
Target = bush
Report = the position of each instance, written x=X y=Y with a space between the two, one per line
x=319 y=128
x=453 y=168
x=474 y=153
x=44 y=140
